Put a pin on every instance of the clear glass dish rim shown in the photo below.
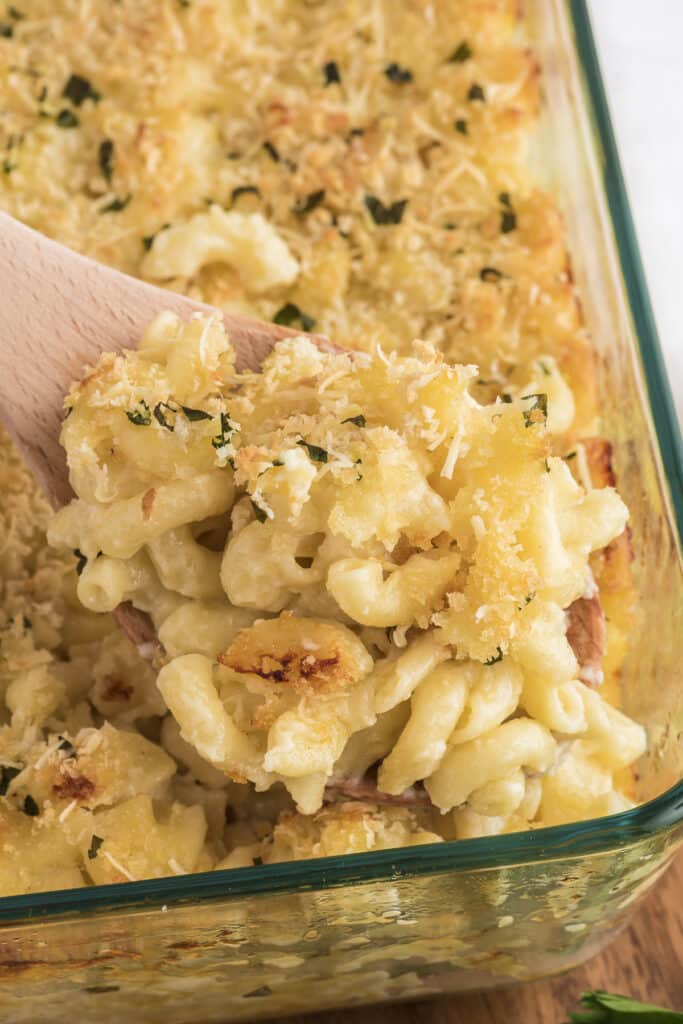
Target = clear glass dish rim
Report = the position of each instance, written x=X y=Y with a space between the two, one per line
x=582 y=838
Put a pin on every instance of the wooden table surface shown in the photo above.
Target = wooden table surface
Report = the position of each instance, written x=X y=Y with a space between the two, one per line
x=645 y=962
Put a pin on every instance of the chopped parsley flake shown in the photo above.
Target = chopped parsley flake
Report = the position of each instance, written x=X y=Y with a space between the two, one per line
x=94 y=847
x=258 y=512
x=117 y=204
x=382 y=214
x=67 y=746
x=194 y=415
x=537 y=412
x=244 y=190
x=82 y=561
x=570 y=455
x=162 y=417
x=461 y=126
x=66 y=119
x=6 y=30
x=490 y=275
x=544 y=369
x=79 y=89
x=7 y=773
x=309 y=202
x=141 y=417
x=14 y=13
x=398 y=75
x=498 y=656
x=476 y=93
x=271 y=150
x=507 y=399
x=148 y=240
x=105 y=158
x=226 y=432
x=290 y=313
x=331 y=73
x=315 y=453
x=358 y=421
x=30 y=807
x=461 y=53
x=508 y=221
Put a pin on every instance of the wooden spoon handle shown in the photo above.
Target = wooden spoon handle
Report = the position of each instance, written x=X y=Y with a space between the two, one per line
x=60 y=311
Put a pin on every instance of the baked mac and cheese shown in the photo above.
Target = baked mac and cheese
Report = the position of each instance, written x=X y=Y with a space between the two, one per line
x=391 y=594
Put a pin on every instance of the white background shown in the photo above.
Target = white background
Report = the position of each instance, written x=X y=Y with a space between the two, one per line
x=640 y=45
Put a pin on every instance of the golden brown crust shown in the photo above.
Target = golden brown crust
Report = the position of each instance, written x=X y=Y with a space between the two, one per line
x=308 y=656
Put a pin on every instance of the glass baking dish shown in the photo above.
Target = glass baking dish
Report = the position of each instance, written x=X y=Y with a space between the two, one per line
x=477 y=913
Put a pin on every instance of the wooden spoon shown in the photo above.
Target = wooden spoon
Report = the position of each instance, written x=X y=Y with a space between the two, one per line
x=60 y=312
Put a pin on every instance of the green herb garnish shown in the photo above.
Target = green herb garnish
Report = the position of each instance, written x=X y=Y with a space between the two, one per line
x=571 y=455
x=94 y=847
x=271 y=151
x=7 y=773
x=14 y=13
x=382 y=214
x=331 y=73
x=140 y=417
x=105 y=158
x=461 y=126
x=476 y=93
x=6 y=30
x=537 y=412
x=117 y=204
x=258 y=512
x=496 y=657
x=289 y=313
x=66 y=119
x=30 y=807
x=82 y=561
x=315 y=453
x=398 y=75
x=358 y=421
x=461 y=53
x=67 y=746
x=226 y=432
x=607 y=1008
x=309 y=202
x=148 y=240
x=162 y=417
x=508 y=221
x=79 y=89
x=490 y=275
x=194 y=415
x=244 y=190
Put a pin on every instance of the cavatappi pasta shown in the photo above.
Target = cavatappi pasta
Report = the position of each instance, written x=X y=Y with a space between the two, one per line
x=344 y=553
x=354 y=655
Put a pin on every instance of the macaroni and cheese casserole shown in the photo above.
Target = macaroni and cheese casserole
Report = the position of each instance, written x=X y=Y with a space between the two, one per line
x=382 y=594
